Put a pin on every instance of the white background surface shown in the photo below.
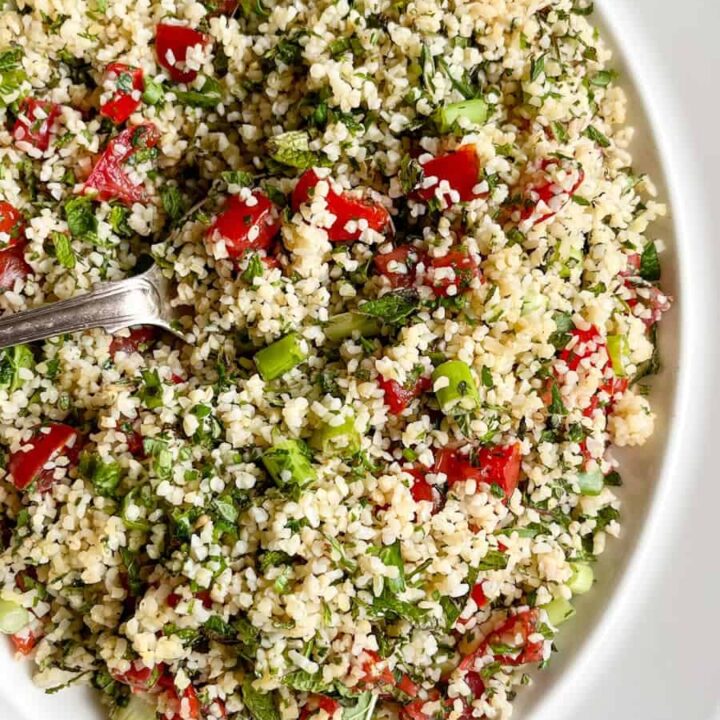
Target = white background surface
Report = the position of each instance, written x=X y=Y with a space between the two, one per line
x=656 y=653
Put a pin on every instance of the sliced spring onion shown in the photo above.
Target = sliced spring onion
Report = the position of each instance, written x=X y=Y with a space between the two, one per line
x=350 y=324
x=136 y=709
x=618 y=350
x=534 y=302
x=582 y=578
x=455 y=387
x=558 y=611
x=476 y=111
x=342 y=440
x=288 y=463
x=13 y=617
x=280 y=357
x=591 y=482
x=567 y=258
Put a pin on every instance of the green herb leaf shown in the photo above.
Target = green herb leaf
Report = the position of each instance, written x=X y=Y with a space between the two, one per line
x=557 y=406
x=262 y=706
x=596 y=136
x=105 y=477
x=493 y=560
x=363 y=708
x=305 y=682
x=391 y=555
x=80 y=217
x=173 y=203
x=393 y=308
x=292 y=149
x=537 y=67
x=152 y=390
x=209 y=96
x=650 y=263
x=238 y=177
x=255 y=268
x=12 y=361
x=564 y=325
x=63 y=250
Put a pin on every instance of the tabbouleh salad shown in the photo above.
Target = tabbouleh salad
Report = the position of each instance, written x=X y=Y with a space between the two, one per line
x=424 y=299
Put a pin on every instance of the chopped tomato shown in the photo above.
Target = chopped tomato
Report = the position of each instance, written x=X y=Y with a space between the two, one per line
x=319 y=702
x=173 y=599
x=351 y=213
x=549 y=187
x=407 y=686
x=188 y=705
x=138 y=339
x=135 y=443
x=397 y=397
x=172 y=43
x=500 y=465
x=421 y=489
x=24 y=642
x=588 y=348
x=109 y=178
x=398 y=266
x=215 y=709
x=515 y=632
x=649 y=303
x=35 y=122
x=494 y=465
x=140 y=678
x=246 y=224
x=456 y=173
x=465 y=269
x=26 y=466
x=129 y=84
x=12 y=224
x=478 y=595
x=475 y=682
x=13 y=266
x=374 y=675
x=414 y=709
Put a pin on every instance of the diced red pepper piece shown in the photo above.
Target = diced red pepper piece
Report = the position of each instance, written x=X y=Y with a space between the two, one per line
x=457 y=171
x=405 y=255
x=126 y=99
x=246 y=224
x=140 y=678
x=13 y=266
x=35 y=121
x=346 y=208
x=465 y=267
x=545 y=189
x=397 y=397
x=12 y=224
x=24 y=642
x=520 y=626
x=138 y=339
x=109 y=179
x=25 y=466
x=172 y=43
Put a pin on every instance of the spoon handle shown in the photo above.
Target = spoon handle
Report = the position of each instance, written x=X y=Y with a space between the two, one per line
x=112 y=306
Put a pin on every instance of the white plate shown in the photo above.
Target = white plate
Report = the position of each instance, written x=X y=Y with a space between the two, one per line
x=644 y=645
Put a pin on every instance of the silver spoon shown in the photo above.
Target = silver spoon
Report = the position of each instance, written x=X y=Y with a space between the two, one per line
x=141 y=300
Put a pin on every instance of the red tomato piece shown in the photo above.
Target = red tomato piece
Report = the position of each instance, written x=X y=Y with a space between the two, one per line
x=464 y=266
x=405 y=256
x=414 y=709
x=374 y=675
x=549 y=188
x=12 y=224
x=397 y=397
x=457 y=174
x=478 y=595
x=475 y=682
x=588 y=344
x=500 y=465
x=421 y=489
x=495 y=465
x=135 y=443
x=140 y=678
x=25 y=641
x=109 y=179
x=407 y=686
x=35 y=121
x=172 y=43
x=25 y=466
x=347 y=209
x=138 y=339
x=188 y=705
x=129 y=84
x=13 y=266
x=517 y=627
x=246 y=224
